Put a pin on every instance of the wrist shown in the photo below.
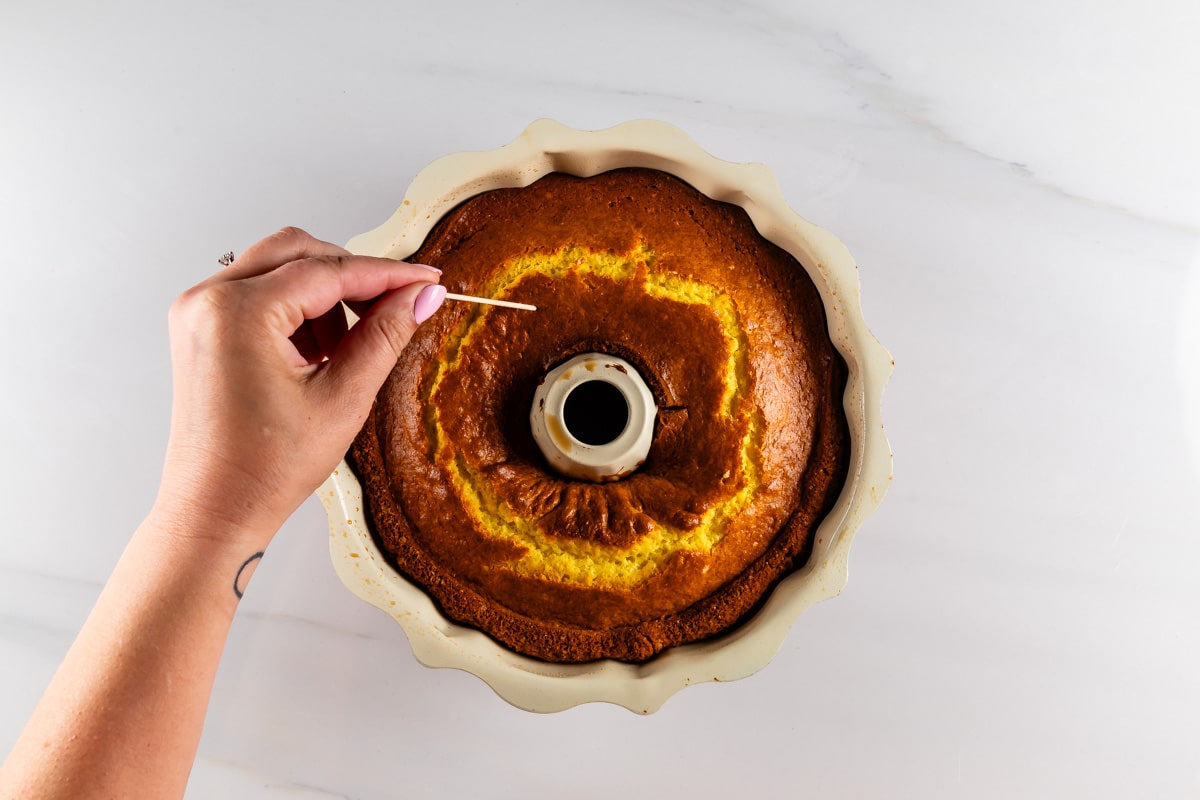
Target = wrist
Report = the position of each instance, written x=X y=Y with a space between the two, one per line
x=197 y=528
x=215 y=564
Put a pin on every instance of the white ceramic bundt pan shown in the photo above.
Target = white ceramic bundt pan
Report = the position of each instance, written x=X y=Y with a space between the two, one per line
x=546 y=147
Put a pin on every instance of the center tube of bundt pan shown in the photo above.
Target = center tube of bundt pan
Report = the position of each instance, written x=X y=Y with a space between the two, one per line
x=593 y=418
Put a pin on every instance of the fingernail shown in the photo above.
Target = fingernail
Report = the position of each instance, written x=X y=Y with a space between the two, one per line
x=428 y=301
x=431 y=269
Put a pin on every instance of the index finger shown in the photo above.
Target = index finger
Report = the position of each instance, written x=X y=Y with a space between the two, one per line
x=284 y=246
x=307 y=288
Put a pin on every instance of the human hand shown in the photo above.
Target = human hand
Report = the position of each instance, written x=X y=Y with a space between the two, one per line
x=269 y=386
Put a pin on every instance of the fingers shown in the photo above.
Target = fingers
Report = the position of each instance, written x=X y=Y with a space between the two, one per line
x=367 y=353
x=288 y=244
x=317 y=339
x=307 y=289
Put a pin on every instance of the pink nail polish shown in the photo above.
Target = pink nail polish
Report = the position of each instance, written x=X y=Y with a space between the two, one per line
x=428 y=301
x=431 y=269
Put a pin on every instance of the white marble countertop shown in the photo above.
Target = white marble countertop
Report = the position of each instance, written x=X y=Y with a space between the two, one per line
x=1020 y=184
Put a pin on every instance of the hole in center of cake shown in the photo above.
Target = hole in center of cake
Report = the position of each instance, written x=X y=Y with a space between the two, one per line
x=592 y=417
x=596 y=412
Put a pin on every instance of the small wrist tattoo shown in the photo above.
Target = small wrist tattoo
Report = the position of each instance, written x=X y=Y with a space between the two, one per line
x=239 y=586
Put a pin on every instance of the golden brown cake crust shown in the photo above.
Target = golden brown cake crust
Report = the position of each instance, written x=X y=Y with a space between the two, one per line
x=750 y=448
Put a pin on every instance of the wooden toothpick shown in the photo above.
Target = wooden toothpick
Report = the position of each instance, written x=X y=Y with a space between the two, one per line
x=466 y=298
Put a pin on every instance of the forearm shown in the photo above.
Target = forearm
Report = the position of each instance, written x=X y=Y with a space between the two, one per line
x=270 y=389
x=123 y=715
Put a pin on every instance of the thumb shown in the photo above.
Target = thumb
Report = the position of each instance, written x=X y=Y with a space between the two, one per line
x=365 y=356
